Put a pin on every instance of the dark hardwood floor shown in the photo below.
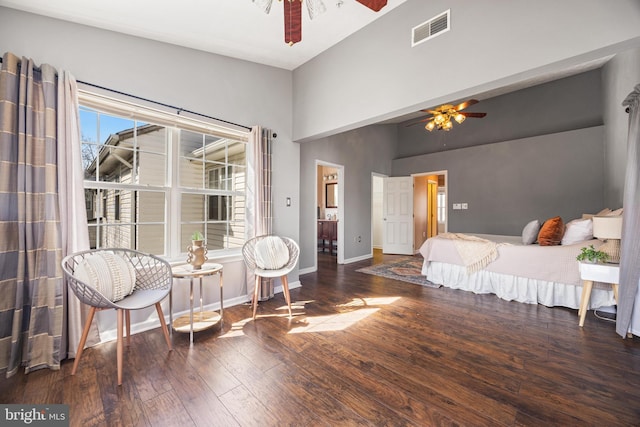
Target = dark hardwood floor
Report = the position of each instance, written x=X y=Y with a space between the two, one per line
x=361 y=350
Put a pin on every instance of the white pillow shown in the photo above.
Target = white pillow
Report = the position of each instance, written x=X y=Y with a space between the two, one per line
x=271 y=253
x=530 y=232
x=110 y=274
x=577 y=231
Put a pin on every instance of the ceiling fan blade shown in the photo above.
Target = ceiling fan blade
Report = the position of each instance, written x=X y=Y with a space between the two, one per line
x=315 y=8
x=374 y=5
x=478 y=115
x=292 y=22
x=265 y=5
x=466 y=104
x=426 y=119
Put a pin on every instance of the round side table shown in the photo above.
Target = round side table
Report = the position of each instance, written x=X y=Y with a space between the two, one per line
x=204 y=319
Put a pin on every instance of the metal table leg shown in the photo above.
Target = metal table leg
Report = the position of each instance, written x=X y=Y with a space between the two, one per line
x=191 y=310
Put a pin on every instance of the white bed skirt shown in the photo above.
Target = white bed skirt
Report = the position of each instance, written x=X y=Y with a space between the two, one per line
x=513 y=288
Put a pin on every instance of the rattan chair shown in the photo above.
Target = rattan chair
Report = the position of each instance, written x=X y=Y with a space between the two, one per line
x=292 y=254
x=153 y=281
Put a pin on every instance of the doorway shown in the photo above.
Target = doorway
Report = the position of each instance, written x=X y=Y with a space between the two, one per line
x=430 y=194
x=329 y=212
x=429 y=206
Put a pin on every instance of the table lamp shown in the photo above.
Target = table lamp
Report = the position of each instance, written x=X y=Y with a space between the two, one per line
x=609 y=229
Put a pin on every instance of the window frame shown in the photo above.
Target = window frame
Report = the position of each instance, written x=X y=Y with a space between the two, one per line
x=173 y=192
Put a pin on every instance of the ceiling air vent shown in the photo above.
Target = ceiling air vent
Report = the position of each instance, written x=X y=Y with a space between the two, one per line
x=430 y=29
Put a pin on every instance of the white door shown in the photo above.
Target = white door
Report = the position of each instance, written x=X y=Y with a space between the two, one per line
x=397 y=205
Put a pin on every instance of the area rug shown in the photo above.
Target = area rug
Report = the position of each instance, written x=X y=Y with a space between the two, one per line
x=406 y=269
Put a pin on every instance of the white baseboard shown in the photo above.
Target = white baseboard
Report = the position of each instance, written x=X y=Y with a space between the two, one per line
x=360 y=258
x=307 y=270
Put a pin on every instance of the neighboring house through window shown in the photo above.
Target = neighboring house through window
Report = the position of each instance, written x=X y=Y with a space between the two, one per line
x=157 y=183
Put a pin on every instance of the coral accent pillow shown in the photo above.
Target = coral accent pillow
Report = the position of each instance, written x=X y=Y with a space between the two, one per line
x=551 y=232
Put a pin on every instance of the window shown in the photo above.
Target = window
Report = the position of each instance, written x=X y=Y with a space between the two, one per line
x=442 y=206
x=218 y=208
x=156 y=182
x=116 y=207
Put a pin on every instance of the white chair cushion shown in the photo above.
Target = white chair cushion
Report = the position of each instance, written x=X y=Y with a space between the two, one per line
x=271 y=253
x=110 y=274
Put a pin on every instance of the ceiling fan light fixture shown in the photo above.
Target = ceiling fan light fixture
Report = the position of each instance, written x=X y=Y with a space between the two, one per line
x=459 y=118
x=439 y=119
x=447 y=125
x=430 y=126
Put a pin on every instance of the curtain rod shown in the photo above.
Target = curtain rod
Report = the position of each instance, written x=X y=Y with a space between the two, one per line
x=178 y=109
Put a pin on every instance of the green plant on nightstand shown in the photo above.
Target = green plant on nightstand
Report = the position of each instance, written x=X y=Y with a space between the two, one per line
x=593 y=255
x=197 y=236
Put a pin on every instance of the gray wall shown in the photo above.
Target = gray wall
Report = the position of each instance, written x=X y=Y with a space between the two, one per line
x=509 y=183
x=361 y=152
x=375 y=74
x=570 y=103
x=620 y=76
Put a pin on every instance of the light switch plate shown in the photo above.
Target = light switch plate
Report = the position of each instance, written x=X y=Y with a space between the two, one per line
x=465 y=206
x=456 y=206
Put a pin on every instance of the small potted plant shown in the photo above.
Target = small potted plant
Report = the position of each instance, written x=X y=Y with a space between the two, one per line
x=197 y=237
x=592 y=255
x=197 y=251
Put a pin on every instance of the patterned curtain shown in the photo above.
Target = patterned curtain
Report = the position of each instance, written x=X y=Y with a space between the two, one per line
x=31 y=294
x=259 y=197
x=630 y=244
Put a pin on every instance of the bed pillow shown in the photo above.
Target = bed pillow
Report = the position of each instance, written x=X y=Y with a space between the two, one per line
x=551 y=232
x=617 y=212
x=530 y=232
x=577 y=231
x=603 y=212
x=110 y=274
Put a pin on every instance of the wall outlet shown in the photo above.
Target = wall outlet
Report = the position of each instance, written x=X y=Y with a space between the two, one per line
x=465 y=206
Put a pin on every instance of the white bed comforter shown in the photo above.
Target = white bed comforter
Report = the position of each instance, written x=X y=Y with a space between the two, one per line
x=534 y=274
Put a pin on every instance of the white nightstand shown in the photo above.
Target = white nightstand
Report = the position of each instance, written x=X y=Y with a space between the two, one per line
x=589 y=273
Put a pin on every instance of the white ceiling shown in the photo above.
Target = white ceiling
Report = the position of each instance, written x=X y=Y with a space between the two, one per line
x=236 y=28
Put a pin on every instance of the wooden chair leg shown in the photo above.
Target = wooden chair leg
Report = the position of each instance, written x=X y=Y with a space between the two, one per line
x=285 y=291
x=255 y=297
x=127 y=314
x=163 y=325
x=120 y=322
x=83 y=339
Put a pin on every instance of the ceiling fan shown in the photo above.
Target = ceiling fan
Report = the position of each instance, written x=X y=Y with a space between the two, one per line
x=293 y=14
x=441 y=116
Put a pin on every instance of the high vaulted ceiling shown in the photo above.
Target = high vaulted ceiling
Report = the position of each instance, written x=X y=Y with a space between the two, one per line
x=236 y=28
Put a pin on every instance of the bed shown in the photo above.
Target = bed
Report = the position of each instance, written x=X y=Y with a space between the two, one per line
x=513 y=271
